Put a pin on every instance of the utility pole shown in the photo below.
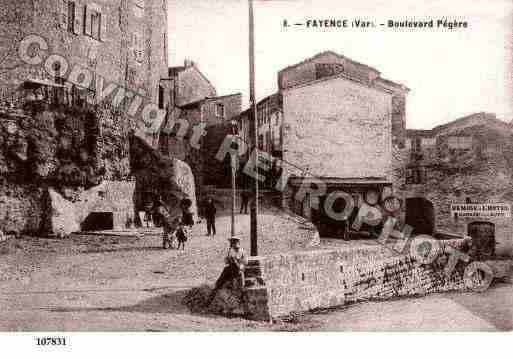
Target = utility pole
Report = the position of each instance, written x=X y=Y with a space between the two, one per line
x=234 y=193
x=233 y=164
x=253 y=119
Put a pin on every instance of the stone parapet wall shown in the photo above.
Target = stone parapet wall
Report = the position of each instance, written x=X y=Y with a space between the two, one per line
x=302 y=281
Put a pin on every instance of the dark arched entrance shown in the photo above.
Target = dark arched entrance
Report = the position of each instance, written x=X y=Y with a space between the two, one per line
x=420 y=215
x=327 y=226
x=483 y=239
x=98 y=221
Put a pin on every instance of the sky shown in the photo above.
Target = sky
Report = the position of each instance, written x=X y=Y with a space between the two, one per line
x=450 y=73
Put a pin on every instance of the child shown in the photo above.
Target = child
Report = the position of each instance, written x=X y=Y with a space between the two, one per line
x=182 y=235
x=168 y=225
x=183 y=230
x=235 y=264
x=167 y=235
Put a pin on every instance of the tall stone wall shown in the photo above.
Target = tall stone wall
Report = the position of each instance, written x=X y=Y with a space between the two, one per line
x=338 y=128
x=131 y=49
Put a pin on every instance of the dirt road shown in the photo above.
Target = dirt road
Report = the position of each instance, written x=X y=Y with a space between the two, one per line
x=111 y=283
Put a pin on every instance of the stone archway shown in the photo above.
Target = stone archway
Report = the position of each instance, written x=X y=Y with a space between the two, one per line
x=420 y=214
x=98 y=221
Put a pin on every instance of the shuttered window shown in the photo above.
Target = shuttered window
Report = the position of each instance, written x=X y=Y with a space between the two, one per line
x=69 y=18
x=94 y=23
x=138 y=46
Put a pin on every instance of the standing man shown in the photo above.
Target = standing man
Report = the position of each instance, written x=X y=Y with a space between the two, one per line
x=210 y=216
x=244 y=201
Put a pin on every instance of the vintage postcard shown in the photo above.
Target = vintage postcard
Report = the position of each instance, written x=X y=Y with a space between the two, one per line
x=255 y=165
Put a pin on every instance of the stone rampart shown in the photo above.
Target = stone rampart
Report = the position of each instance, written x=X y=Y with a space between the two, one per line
x=302 y=281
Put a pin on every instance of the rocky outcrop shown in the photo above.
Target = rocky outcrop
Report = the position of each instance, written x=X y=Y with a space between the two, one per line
x=66 y=148
x=86 y=159
x=183 y=178
x=63 y=216
x=21 y=206
x=158 y=176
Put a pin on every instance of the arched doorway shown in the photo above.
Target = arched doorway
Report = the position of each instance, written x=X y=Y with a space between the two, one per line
x=98 y=221
x=420 y=214
x=327 y=226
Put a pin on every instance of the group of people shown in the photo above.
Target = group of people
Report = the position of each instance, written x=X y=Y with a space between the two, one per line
x=177 y=224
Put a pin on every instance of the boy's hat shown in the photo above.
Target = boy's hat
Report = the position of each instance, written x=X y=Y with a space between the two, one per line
x=186 y=202
x=234 y=239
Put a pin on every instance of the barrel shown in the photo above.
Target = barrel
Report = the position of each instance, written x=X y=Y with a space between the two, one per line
x=483 y=239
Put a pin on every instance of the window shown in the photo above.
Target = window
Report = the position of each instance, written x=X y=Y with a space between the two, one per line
x=71 y=16
x=93 y=23
x=132 y=77
x=416 y=145
x=138 y=46
x=68 y=18
x=416 y=175
x=260 y=142
x=165 y=48
x=91 y=91
x=460 y=142
x=326 y=70
x=220 y=110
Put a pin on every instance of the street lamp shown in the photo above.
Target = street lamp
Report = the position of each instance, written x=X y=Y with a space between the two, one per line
x=233 y=162
x=253 y=119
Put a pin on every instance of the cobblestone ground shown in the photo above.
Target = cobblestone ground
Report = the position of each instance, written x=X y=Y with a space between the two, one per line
x=90 y=282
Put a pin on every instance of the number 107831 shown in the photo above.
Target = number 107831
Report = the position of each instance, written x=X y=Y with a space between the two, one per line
x=51 y=341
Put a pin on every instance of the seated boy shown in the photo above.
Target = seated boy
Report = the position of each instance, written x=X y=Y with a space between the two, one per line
x=236 y=262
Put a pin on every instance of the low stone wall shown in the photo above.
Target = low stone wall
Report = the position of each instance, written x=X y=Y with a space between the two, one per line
x=298 y=282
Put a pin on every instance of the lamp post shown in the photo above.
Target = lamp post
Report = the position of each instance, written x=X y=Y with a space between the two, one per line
x=253 y=119
x=233 y=163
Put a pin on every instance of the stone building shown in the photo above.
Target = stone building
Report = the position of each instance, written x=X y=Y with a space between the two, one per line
x=196 y=105
x=67 y=149
x=122 y=41
x=466 y=161
x=269 y=119
x=337 y=122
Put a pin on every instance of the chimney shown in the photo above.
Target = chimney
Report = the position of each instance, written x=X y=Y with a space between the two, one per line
x=188 y=63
